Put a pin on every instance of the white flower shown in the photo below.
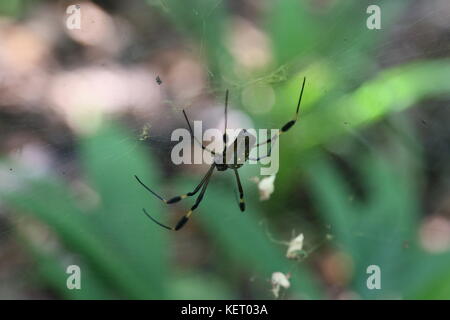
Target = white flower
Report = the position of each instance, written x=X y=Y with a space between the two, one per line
x=265 y=186
x=295 y=246
x=279 y=280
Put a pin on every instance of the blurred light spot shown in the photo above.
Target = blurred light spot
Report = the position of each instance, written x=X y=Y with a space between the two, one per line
x=35 y=158
x=322 y=6
x=249 y=45
x=21 y=50
x=214 y=117
x=295 y=247
x=265 y=186
x=185 y=78
x=337 y=268
x=279 y=280
x=435 y=234
x=25 y=55
x=84 y=94
x=38 y=234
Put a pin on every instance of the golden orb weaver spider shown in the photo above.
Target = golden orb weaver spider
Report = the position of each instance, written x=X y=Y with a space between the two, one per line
x=242 y=145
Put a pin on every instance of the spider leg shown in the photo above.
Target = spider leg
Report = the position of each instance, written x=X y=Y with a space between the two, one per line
x=241 y=191
x=195 y=138
x=225 y=136
x=289 y=124
x=284 y=128
x=156 y=221
x=186 y=217
x=269 y=152
x=178 y=198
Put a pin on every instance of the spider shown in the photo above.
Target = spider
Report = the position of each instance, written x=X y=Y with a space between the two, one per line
x=242 y=146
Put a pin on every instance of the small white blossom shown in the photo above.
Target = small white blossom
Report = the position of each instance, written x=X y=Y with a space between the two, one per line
x=266 y=187
x=279 y=280
x=295 y=247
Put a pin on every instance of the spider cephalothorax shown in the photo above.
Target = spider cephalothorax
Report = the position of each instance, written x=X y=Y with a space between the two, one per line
x=232 y=157
x=237 y=153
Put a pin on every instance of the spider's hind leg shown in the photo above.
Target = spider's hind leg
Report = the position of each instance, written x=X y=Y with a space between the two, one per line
x=186 y=217
x=181 y=197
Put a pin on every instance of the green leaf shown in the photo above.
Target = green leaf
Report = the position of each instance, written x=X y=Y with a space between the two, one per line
x=111 y=160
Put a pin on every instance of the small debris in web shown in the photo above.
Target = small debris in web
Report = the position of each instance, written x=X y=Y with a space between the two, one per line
x=158 y=80
x=145 y=134
x=279 y=280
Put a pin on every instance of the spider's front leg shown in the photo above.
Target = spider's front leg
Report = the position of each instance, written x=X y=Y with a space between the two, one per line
x=289 y=124
x=194 y=137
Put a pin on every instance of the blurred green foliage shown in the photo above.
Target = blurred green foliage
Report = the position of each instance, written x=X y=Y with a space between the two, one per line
x=123 y=255
x=381 y=229
x=120 y=253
